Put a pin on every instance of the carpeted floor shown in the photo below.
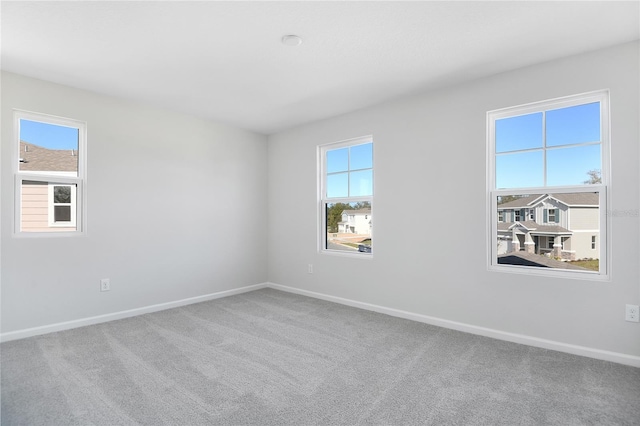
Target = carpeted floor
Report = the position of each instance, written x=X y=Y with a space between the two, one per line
x=274 y=358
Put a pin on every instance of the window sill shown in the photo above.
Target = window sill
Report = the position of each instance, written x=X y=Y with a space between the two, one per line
x=551 y=273
x=340 y=253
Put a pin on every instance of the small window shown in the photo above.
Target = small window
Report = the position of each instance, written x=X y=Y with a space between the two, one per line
x=346 y=196
x=62 y=205
x=593 y=242
x=549 y=158
x=49 y=171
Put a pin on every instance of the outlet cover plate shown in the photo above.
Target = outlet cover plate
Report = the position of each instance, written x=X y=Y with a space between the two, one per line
x=105 y=284
x=632 y=313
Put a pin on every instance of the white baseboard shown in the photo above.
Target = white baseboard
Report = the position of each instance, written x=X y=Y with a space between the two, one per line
x=619 y=358
x=67 y=325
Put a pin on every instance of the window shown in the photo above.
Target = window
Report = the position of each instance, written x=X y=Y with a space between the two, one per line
x=517 y=213
x=346 y=196
x=552 y=158
x=593 y=242
x=49 y=174
x=62 y=205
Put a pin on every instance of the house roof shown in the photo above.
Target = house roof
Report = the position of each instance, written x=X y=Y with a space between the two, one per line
x=578 y=198
x=35 y=158
x=359 y=211
x=520 y=202
x=570 y=199
x=534 y=227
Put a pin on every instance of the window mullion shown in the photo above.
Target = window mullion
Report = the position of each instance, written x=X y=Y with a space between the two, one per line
x=544 y=148
x=47 y=177
x=572 y=210
x=341 y=232
x=49 y=152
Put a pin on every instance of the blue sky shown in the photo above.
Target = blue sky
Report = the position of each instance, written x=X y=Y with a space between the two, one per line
x=521 y=141
x=48 y=135
x=350 y=171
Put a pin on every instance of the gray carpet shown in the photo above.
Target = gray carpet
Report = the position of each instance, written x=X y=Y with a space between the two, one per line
x=274 y=358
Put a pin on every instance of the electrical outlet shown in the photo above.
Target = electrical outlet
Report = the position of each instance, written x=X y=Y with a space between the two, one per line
x=105 y=284
x=632 y=313
x=310 y=268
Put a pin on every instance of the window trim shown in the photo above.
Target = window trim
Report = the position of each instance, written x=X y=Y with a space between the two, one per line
x=323 y=200
x=79 y=214
x=601 y=96
x=52 y=205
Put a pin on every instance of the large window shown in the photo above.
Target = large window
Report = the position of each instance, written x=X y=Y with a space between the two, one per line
x=549 y=160
x=49 y=174
x=346 y=196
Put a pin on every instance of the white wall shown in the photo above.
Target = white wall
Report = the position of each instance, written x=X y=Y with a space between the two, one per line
x=432 y=147
x=175 y=210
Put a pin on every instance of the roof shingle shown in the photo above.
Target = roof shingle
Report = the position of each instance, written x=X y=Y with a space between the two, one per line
x=35 y=158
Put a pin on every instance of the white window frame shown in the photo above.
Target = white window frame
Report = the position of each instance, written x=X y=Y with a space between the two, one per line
x=323 y=200
x=52 y=178
x=601 y=96
x=53 y=205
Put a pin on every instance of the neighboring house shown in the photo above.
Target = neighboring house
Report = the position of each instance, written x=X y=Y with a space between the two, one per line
x=565 y=226
x=355 y=222
x=48 y=206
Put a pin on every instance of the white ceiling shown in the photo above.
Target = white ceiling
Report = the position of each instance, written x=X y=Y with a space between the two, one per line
x=224 y=60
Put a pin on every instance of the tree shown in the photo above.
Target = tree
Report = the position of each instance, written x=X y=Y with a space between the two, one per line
x=362 y=205
x=334 y=215
x=594 y=177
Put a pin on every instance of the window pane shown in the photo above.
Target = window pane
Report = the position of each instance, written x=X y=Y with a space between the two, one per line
x=577 y=124
x=348 y=227
x=361 y=183
x=573 y=166
x=48 y=148
x=522 y=170
x=521 y=132
x=62 y=194
x=338 y=160
x=561 y=243
x=361 y=157
x=338 y=185
x=62 y=214
x=38 y=212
